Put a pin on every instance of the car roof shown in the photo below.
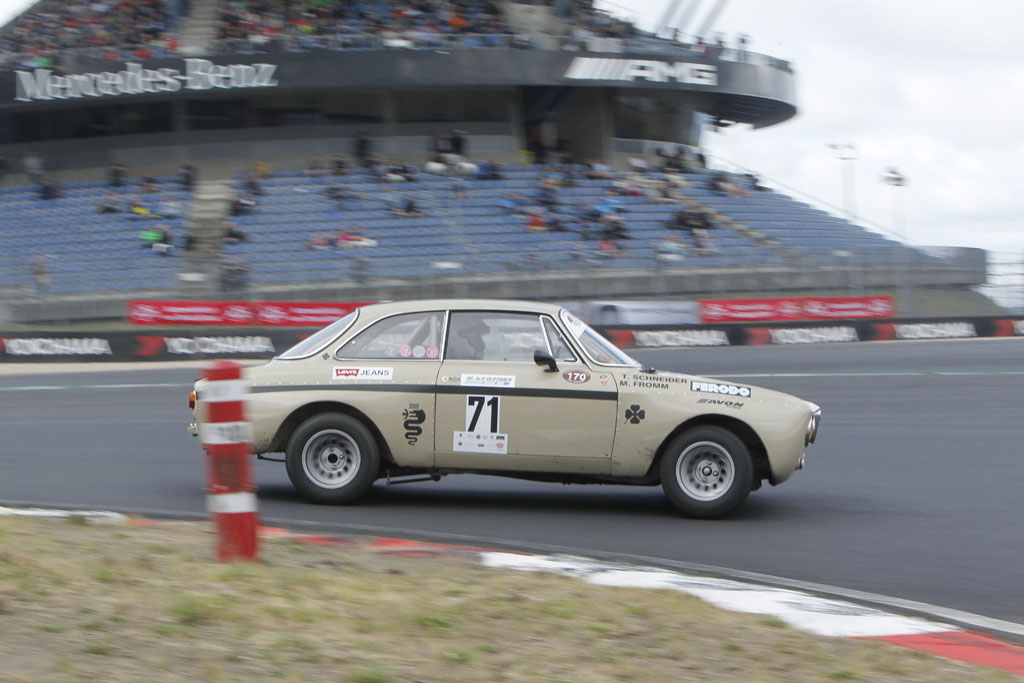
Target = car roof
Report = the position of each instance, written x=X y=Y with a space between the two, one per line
x=382 y=309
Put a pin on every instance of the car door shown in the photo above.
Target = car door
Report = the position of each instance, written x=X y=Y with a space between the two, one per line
x=498 y=410
x=388 y=372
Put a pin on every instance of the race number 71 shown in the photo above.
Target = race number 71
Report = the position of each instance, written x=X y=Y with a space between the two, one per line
x=483 y=411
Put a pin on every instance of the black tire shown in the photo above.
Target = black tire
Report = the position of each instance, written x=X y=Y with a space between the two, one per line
x=707 y=472
x=332 y=459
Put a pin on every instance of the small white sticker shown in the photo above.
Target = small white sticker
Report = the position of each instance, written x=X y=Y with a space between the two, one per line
x=488 y=380
x=222 y=433
x=476 y=442
x=363 y=373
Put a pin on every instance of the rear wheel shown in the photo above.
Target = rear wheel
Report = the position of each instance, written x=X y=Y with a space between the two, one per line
x=332 y=458
x=707 y=472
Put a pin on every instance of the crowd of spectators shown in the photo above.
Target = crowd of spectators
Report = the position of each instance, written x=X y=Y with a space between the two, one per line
x=36 y=38
x=415 y=21
x=143 y=29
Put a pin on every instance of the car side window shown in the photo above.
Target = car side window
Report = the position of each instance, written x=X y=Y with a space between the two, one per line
x=560 y=351
x=494 y=336
x=416 y=336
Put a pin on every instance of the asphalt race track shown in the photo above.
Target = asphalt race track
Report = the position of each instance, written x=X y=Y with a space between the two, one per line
x=914 y=489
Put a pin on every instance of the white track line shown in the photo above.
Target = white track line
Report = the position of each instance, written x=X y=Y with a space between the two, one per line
x=56 y=387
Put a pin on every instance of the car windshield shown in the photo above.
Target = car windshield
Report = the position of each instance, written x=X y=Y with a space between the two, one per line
x=597 y=347
x=319 y=340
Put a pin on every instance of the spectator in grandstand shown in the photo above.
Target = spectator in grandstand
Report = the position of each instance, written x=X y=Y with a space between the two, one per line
x=488 y=170
x=662 y=193
x=460 y=146
x=168 y=208
x=252 y=186
x=319 y=242
x=704 y=243
x=361 y=268
x=261 y=170
x=139 y=209
x=40 y=273
x=315 y=168
x=536 y=221
x=243 y=204
x=187 y=175
x=234 y=274
x=512 y=203
x=4 y=168
x=607 y=248
x=116 y=174
x=157 y=238
x=408 y=209
x=362 y=149
x=233 y=234
x=338 y=195
x=109 y=204
x=672 y=248
x=440 y=144
x=613 y=226
x=754 y=183
x=338 y=165
x=597 y=170
x=49 y=189
x=723 y=185
x=148 y=183
x=353 y=237
x=32 y=165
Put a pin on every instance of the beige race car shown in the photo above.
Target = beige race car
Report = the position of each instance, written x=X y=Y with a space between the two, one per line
x=421 y=389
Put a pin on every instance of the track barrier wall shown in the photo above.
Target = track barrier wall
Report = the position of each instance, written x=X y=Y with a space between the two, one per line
x=262 y=343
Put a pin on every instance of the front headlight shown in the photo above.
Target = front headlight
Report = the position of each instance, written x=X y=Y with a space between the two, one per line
x=812 y=424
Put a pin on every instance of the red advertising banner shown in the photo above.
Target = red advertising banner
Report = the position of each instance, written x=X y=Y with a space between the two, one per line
x=276 y=313
x=795 y=308
x=302 y=314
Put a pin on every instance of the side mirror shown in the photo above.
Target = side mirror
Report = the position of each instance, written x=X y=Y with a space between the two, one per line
x=544 y=358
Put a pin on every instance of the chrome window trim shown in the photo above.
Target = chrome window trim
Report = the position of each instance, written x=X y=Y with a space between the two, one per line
x=325 y=346
x=444 y=321
x=586 y=354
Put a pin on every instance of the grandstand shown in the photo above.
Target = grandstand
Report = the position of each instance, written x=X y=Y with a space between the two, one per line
x=539 y=90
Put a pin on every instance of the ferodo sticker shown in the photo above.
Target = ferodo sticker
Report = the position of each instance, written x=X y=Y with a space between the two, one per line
x=363 y=373
x=576 y=376
x=716 y=388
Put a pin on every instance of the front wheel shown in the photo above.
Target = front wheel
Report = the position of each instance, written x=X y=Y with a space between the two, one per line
x=706 y=472
x=332 y=458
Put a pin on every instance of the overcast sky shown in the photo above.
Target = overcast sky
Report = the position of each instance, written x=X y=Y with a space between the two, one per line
x=932 y=88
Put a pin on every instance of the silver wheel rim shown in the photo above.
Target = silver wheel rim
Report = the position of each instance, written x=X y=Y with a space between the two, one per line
x=705 y=471
x=331 y=459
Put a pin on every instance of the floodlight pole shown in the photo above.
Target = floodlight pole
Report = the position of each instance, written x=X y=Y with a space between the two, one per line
x=898 y=198
x=847 y=152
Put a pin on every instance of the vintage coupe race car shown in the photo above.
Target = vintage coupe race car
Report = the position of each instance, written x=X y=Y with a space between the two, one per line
x=423 y=389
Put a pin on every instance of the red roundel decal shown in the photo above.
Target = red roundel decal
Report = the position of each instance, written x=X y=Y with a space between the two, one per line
x=576 y=376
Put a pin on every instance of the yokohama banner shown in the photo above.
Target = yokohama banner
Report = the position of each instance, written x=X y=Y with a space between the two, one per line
x=794 y=309
x=276 y=313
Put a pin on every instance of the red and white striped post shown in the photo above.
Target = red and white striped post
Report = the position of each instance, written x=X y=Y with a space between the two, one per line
x=226 y=437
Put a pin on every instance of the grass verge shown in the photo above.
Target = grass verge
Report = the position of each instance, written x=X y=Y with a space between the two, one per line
x=147 y=603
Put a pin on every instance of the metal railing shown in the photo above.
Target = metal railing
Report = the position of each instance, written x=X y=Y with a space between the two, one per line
x=72 y=58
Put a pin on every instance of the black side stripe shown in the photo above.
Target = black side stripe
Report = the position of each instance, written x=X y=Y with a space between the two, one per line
x=536 y=393
x=430 y=388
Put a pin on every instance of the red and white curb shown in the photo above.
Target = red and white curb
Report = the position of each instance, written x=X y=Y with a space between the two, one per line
x=98 y=516
x=800 y=609
x=822 y=616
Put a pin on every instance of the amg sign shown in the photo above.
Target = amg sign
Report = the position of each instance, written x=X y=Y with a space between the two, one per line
x=199 y=74
x=604 y=69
